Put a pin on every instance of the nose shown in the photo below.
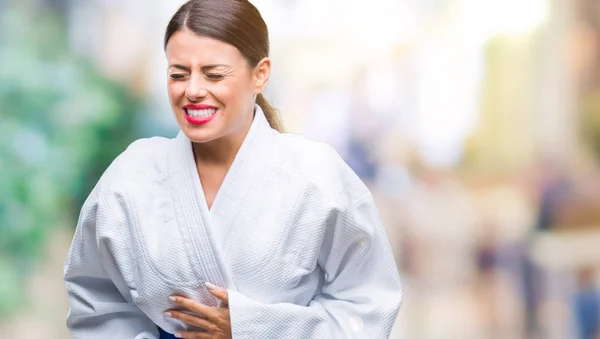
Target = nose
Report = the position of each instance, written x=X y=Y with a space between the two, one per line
x=196 y=89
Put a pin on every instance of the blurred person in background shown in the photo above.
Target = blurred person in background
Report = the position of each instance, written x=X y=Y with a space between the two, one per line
x=568 y=207
x=233 y=229
x=554 y=187
x=586 y=304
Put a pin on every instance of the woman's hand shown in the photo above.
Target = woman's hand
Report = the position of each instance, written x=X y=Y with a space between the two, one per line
x=215 y=320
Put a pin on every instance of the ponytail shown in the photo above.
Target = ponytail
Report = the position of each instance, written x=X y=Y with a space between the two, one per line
x=270 y=113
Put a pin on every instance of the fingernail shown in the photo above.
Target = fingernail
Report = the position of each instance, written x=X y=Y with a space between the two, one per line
x=172 y=298
x=177 y=335
x=210 y=286
x=168 y=315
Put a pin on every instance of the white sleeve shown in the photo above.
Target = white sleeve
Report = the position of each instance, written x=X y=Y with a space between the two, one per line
x=359 y=299
x=98 y=306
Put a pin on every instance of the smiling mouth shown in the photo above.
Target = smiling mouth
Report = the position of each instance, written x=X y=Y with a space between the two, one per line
x=200 y=116
x=200 y=113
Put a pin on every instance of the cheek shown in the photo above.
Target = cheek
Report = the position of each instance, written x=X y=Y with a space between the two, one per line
x=175 y=90
x=232 y=92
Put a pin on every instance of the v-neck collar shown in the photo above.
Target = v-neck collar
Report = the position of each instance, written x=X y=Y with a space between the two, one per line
x=243 y=161
x=201 y=222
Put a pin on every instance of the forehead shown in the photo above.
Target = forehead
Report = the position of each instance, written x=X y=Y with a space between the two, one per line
x=185 y=47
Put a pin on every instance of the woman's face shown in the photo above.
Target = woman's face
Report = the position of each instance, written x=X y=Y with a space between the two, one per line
x=212 y=89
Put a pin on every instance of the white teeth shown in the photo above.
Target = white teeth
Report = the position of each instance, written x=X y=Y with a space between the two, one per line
x=201 y=113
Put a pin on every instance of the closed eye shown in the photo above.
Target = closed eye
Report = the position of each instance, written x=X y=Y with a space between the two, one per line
x=214 y=76
x=176 y=76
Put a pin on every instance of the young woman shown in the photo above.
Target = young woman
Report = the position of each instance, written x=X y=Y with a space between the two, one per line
x=232 y=229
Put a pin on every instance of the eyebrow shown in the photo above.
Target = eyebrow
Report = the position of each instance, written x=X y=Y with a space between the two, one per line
x=204 y=68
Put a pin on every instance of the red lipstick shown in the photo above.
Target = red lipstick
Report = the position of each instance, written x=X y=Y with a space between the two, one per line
x=199 y=120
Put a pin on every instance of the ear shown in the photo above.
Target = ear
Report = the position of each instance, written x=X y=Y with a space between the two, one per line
x=261 y=74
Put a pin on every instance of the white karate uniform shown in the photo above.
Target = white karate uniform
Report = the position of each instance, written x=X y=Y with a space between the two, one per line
x=293 y=234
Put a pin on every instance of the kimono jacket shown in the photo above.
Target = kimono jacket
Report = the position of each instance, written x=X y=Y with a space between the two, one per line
x=293 y=234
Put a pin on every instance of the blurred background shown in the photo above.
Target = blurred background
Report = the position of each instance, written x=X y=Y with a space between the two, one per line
x=476 y=124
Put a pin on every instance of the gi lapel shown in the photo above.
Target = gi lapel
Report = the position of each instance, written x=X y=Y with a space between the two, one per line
x=250 y=162
x=192 y=211
x=192 y=215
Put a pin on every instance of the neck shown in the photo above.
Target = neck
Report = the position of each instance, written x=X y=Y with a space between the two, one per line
x=222 y=151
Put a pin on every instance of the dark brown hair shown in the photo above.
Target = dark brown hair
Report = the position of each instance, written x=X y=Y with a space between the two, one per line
x=235 y=22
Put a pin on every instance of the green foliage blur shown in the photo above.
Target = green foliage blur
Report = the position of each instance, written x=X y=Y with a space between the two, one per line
x=61 y=124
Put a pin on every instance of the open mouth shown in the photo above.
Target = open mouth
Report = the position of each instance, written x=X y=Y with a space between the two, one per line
x=200 y=115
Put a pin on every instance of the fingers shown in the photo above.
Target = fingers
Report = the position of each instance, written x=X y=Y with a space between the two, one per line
x=193 y=306
x=191 y=320
x=218 y=292
x=215 y=317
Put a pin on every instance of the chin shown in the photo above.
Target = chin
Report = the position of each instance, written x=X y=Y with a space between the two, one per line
x=200 y=135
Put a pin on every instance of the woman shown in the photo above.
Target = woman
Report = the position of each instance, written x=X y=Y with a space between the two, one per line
x=232 y=229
